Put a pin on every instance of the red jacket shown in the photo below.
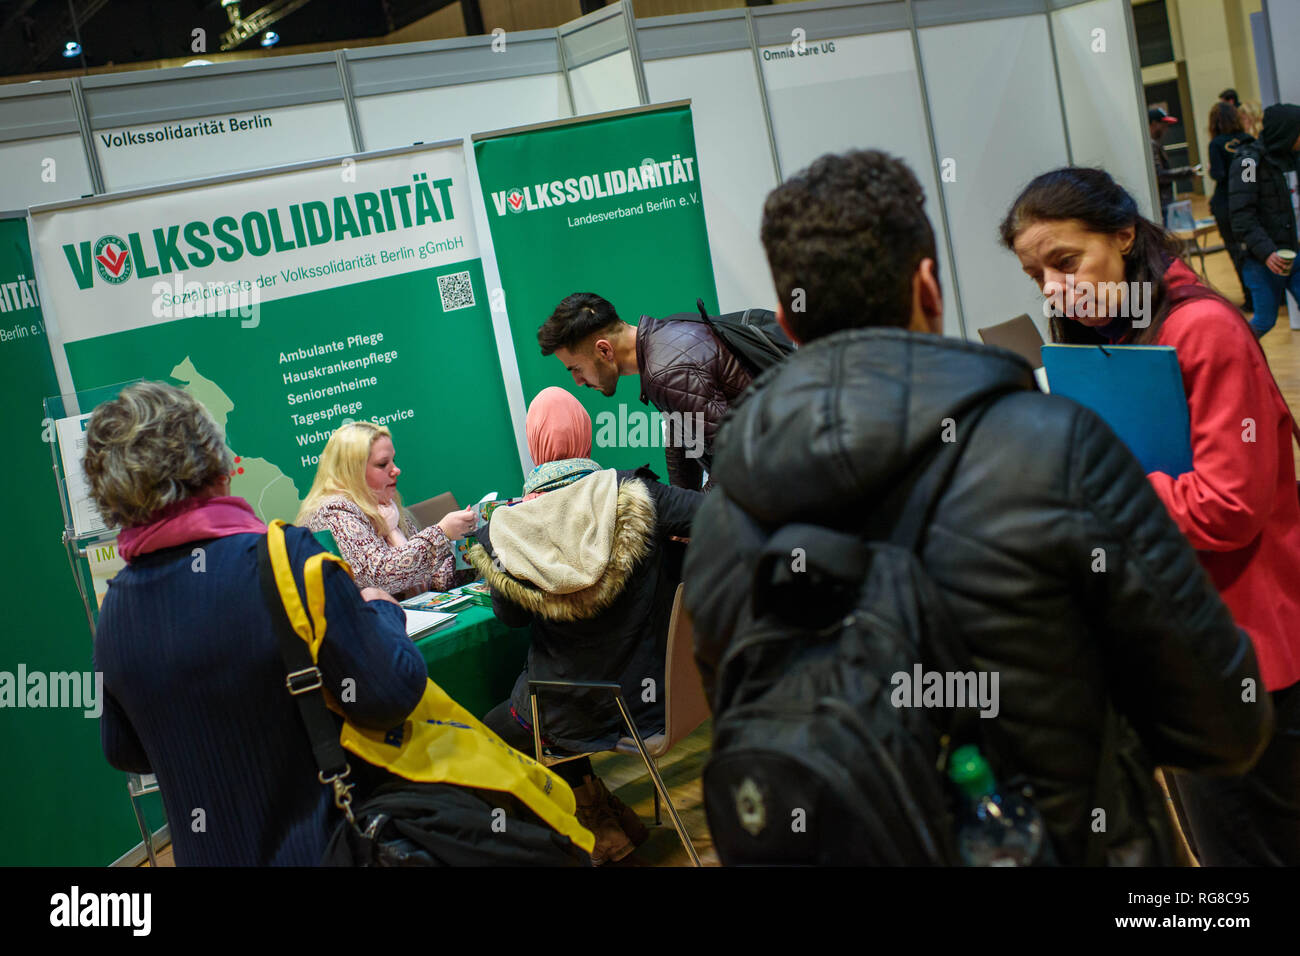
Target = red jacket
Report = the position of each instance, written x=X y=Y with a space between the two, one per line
x=1238 y=505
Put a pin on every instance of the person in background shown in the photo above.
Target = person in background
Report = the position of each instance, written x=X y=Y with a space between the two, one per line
x=1227 y=135
x=581 y=560
x=1263 y=219
x=354 y=496
x=193 y=676
x=1237 y=506
x=1252 y=118
x=843 y=425
x=684 y=369
x=1157 y=122
x=1230 y=96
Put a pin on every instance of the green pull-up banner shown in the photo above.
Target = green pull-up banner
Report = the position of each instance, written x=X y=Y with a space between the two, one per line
x=609 y=204
x=64 y=805
x=289 y=302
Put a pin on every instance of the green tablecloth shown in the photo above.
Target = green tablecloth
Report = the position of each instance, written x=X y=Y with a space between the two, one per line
x=477 y=659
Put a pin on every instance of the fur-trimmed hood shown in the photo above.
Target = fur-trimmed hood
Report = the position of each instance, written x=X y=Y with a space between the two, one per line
x=569 y=554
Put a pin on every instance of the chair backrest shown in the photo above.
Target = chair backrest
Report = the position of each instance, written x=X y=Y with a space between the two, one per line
x=1179 y=216
x=1019 y=335
x=685 y=706
x=432 y=510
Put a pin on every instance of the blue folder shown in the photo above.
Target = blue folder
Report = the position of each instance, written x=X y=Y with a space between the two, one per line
x=1137 y=390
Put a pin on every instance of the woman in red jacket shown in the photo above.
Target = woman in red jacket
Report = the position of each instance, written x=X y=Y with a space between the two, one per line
x=1112 y=276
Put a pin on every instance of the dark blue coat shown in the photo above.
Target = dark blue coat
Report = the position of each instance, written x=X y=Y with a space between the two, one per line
x=194 y=692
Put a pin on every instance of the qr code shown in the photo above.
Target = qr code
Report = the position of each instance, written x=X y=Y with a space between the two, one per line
x=456 y=290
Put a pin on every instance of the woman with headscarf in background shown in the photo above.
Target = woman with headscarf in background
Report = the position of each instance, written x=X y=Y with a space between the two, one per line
x=581 y=561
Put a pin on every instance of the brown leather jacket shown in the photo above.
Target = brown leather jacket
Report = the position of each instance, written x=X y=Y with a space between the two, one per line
x=686 y=370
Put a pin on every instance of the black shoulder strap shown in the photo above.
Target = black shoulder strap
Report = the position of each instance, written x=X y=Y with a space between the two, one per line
x=936 y=473
x=303 y=678
x=945 y=651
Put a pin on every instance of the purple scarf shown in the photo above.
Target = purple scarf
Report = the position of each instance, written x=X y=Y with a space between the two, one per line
x=192 y=519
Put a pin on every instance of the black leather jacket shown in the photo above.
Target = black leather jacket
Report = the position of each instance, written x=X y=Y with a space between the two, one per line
x=684 y=368
x=1012 y=547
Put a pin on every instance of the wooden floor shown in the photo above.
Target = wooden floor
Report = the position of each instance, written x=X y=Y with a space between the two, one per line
x=682 y=768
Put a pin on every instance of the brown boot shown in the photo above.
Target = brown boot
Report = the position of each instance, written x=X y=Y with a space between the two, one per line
x=627 y=819
x=595 y=814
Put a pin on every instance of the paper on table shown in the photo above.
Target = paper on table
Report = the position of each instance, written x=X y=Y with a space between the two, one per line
x=419 y=621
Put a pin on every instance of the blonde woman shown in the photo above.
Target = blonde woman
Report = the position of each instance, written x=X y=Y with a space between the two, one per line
x=1252 y=117
x=355 y=498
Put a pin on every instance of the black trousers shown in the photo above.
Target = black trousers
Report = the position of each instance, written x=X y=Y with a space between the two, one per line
x=502 y=723
x=1253 y=819
x=1230 y=242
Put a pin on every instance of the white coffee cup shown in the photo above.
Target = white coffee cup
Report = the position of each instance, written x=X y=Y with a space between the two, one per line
x=1288 y=259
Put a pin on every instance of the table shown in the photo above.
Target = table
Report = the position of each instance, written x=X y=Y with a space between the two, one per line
x=477 y=659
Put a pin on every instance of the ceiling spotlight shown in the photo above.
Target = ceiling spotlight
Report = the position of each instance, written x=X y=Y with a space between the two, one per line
x=270 y=38
x=71 y=48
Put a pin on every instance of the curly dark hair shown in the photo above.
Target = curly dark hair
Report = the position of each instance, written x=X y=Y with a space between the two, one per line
x=576 y=317
x=1225 y=119
x=849 y=231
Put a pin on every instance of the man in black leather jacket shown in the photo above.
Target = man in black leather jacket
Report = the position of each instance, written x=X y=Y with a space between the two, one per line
x=686 y=373
x=1055 y=558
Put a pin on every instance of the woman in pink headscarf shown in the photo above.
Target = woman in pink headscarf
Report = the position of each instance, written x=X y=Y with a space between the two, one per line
x=581 y=561
x=559 y=442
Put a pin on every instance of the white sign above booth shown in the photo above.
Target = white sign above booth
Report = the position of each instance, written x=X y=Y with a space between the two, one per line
x=199 y=147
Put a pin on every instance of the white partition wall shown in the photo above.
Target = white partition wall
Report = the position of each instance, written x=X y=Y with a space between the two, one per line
x=1103 y=116
x=599 y=55
x=707 y=58
x=997 y=123
x=860 y=90
x=429 y=92
x=159 y=126
x=42 y=154
x=1283 y=18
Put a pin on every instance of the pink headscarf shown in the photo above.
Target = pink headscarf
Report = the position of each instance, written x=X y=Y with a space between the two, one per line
x=558 y=427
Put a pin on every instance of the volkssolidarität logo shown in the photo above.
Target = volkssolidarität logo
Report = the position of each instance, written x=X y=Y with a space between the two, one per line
x=113 y=259
x=515 y=199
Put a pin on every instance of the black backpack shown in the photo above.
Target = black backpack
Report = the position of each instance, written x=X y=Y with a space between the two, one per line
x=753 y=336
x=811 y=762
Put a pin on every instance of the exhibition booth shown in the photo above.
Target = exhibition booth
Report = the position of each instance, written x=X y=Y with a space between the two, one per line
x=377 y=234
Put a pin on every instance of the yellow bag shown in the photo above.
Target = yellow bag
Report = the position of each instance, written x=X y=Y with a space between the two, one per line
x=440 y=741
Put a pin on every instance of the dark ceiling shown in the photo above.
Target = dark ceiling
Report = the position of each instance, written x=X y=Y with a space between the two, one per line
x=33 y=32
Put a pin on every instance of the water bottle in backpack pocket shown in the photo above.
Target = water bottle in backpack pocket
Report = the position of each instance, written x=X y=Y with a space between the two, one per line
x=814 y=760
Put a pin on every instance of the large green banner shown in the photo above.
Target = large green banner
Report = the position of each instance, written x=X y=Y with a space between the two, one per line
x=289 y=303
x=62 y=804
x=609 y=204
